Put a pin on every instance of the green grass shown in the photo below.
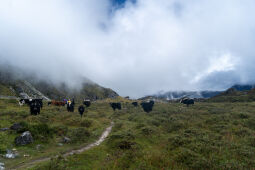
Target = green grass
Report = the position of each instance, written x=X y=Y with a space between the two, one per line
x=173 y=136
x=5 y=91
x=49 y=128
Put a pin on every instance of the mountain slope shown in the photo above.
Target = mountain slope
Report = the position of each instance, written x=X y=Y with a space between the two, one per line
x=14 y=83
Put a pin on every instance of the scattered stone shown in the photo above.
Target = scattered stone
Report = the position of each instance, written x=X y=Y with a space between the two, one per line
x=66 y=140
x=11 y=155
x=4 y=129
x=24 y=139
x=2 y=166
x=38 y=147
x=60 y=144
x=16 y=126
x=25 y=155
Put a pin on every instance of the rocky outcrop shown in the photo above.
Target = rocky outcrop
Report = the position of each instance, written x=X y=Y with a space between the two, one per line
x=16 y=126
x=24 y=139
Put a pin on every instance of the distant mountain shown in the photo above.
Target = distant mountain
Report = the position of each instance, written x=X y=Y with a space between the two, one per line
x=173 y=95
x=191 y=94
x=237 y=93
x=14 y=84
x=244 y=87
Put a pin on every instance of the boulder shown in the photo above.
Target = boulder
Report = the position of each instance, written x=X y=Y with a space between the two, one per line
x=66 y=140
x=1 y=166
x=4 y=129
x=11 y=154
x=24 y=139
x=16 y=126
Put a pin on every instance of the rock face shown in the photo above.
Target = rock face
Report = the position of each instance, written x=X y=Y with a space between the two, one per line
x=16 y=126
x=24 y=139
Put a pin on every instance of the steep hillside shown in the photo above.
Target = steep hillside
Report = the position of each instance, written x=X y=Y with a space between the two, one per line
x=14 y=83
x=88 y=90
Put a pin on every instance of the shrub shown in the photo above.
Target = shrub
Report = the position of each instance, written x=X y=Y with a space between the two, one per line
x=40 y=132
x=250 y=123
x=124 y=141
x=191 y=159
x=243 y=116
x=177 y=141
x=173 y=126
x=117 y=126
x=147 y=131
x=86 y=123
x=3 y=143
x=60 y=130
x=79 y=135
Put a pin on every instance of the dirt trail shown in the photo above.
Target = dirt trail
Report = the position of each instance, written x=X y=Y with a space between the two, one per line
x=39 y=160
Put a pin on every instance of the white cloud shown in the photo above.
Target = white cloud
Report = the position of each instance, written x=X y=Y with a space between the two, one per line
x=224 y=63
x=143 y=48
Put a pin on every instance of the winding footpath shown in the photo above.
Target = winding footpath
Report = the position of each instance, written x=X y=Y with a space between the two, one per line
x=40 y=160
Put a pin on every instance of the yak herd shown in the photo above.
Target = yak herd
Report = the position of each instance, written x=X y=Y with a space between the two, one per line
x=37 y=104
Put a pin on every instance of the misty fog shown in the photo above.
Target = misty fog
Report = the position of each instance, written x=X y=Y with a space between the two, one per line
x=140 y=48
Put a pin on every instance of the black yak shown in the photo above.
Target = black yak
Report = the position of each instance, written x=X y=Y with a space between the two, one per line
x=25 y=101
x=81 y=110
x=147 y=106
x=31 y=101
x=39 y=101
x=187 y=101
x=87 y=103
x=115 y=106
x=35 y=108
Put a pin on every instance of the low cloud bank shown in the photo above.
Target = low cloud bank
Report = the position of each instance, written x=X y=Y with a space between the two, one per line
x=143 y=47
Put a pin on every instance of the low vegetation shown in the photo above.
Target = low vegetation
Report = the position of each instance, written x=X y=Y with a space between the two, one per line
x=49 y=129
x=173 y=136
x=208 y=135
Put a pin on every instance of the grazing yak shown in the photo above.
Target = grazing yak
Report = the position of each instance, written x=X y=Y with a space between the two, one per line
x=35 y=107
x=135 y=104
x=25 y=101
x=56 y=103
x=40 y=101
x=147 y=106
x=87 y=103
x=115 y=106
x=30 y=101
x=81 y=110
x=187 y=101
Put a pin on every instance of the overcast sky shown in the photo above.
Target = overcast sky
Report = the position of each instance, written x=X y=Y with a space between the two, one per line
x=134 y=47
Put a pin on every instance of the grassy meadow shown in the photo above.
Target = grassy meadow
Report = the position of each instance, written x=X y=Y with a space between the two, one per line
x=204 y=136
x=173 y=136
x=49 y=128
